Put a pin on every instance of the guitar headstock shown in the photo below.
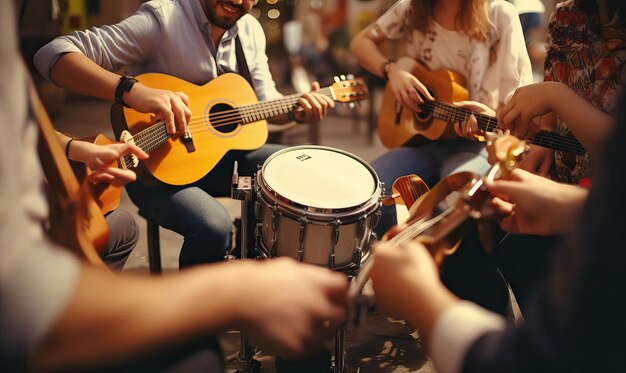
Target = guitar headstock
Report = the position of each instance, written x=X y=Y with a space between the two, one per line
x=504 y=150
x=349 y=89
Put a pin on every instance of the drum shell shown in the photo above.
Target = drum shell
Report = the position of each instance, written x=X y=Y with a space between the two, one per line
x=338 y=238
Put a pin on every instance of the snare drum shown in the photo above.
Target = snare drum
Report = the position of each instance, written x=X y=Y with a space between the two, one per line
x=318 y=205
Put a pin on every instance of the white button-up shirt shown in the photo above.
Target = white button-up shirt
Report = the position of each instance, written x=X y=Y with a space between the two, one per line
x=170 y=37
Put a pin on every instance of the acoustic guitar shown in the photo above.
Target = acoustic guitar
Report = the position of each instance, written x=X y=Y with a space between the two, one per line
x=226 y=115
x=75 y=220
x=398 y=125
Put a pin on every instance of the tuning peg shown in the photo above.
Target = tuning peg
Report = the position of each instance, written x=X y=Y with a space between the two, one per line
x=350 y=76
x=343 y=77
x=336 y=79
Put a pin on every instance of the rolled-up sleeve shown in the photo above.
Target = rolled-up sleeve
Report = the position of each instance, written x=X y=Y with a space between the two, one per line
x=111 y=46
x=456 y=330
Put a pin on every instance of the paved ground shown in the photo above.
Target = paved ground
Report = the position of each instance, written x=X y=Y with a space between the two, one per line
x=381 y=345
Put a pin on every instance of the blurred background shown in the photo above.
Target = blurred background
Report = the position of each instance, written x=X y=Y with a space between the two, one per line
x=312 y=35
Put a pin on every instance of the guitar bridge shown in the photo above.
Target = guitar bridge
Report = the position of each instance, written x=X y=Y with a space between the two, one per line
x=188 y=142
x=398 y=110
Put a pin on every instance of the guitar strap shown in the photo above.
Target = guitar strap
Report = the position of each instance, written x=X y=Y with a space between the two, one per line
x=242 y=64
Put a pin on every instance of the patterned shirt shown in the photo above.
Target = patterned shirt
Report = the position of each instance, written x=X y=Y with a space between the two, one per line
x=591 y=59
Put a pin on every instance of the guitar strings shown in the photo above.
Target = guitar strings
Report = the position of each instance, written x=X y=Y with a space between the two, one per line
x=252 y=113
x=155 y=135
x=542 y=138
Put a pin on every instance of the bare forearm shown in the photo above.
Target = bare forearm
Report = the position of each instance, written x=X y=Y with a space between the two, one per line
x=367 y=52
x=116 y=317
x=590 y=125
x=425 y=308
x=76 y=72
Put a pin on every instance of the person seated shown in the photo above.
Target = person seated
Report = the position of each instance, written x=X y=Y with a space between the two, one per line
x=196 y=41
x=483 y=42
x=577 y=99
x=575 y=322
x=123 y=230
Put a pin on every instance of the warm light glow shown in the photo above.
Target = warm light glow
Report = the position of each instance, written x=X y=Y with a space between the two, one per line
x=273 y=13
x=272 y=1
x=272 y=25
x=256 y=13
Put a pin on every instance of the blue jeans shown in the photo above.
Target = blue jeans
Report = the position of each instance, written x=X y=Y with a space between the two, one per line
x=192 y=210
x=431 y=162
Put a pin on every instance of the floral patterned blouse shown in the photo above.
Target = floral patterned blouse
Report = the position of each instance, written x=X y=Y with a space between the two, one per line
x=591 y=59
x=493 y=69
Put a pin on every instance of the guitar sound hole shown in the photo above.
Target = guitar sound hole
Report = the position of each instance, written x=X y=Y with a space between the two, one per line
x=224 y=118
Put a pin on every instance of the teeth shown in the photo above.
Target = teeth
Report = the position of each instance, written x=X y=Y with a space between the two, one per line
x=229 y=8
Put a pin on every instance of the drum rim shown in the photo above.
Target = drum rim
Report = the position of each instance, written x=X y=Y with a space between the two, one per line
x=301 y=209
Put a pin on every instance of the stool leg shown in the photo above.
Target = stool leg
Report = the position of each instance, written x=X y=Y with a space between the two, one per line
x=340 y=358
x=154 y=247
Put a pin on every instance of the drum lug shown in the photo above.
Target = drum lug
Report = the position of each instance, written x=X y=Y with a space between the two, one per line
x=257 y=210
x=359 y=241
x=358 y=256
x=274 y=222
x=334 y=241
x=376 y=218
x=303 y=223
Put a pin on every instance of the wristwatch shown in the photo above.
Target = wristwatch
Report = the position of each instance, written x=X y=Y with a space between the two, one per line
x=386 y=67
x=125 y=84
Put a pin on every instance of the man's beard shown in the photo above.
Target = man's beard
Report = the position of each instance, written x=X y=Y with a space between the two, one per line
x=221 y=22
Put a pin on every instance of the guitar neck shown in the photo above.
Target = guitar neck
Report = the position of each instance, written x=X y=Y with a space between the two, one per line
x=547 y=139
x=156 y=135
x=268 y=109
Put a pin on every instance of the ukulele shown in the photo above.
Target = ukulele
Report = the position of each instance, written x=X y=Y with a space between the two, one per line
x=75 y=219
x=226 y=116
x=398 y=125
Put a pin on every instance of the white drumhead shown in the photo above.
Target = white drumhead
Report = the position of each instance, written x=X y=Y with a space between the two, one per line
x=320 y=178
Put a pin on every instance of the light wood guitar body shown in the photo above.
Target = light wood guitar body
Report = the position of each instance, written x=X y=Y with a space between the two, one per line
x=399 y=126
x=226 y=115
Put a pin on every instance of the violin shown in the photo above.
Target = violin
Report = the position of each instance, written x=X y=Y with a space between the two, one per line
x=443 y=215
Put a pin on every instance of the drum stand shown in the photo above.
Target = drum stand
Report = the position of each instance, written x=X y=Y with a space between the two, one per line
x=241 y=189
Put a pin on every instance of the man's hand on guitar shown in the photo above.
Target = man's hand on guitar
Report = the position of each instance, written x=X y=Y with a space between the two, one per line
x=313 y=107
x=407 y=89
x=102 y=161
x=532 y=204
x=172 y=107
x=469 y=128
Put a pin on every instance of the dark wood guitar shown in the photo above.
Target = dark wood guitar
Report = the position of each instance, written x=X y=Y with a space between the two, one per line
x=226 y=116
x=398 y=125
x=76 y=222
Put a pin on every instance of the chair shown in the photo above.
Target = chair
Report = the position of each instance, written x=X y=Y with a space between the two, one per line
x=154 y=245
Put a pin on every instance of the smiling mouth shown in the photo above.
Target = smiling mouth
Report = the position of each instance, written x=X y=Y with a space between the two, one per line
x=230 y=8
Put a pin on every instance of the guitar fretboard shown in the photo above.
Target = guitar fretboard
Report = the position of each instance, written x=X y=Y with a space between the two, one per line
x=548 y=139
x=156 y=135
